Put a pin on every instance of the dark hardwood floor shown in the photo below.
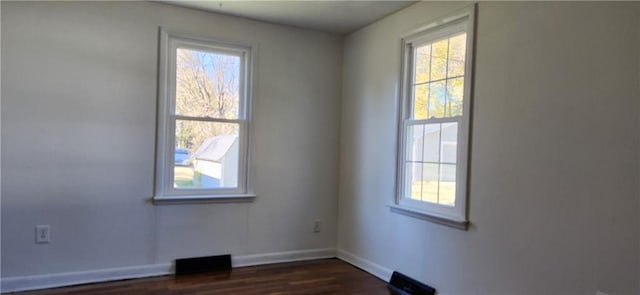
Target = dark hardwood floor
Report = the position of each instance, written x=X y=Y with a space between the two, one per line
x=327 y=276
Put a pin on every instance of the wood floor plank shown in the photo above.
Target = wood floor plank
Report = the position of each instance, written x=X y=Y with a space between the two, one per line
x=327 y=276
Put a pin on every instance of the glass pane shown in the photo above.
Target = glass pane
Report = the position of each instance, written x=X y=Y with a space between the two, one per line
x=431 y=142
x=420 y=94
x=436 y=100
x=423 y=63
x=455 y=69
x=430 y=183
x=447 y=195
x=449 y=143
x=206 y=155
x=413 y=185
x=415 y=138
x=439 y=60
x=457 y=51
x=455 y=94
x=207 y=84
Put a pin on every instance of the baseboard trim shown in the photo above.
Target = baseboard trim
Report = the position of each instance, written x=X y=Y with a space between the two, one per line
x=36 y=282
x=377 y=270
x=26 y=283
x=279 y=257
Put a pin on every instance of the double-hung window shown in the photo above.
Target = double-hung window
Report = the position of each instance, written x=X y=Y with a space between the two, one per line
x=203 y=119
x=434 y=123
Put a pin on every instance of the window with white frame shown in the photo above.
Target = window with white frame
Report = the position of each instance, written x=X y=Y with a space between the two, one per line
x=203 y=119
x=434 y=122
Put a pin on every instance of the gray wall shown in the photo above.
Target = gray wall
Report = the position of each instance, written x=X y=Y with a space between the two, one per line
x=553 y=197
x=78 y=136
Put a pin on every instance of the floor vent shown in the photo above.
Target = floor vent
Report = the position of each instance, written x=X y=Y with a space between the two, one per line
x=203 y=264
x=404 y=285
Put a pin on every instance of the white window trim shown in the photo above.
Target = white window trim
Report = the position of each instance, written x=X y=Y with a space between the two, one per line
x=164 y=191
x=456 y=216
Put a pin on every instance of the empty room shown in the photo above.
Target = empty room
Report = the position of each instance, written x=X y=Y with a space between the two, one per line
x=319 y=147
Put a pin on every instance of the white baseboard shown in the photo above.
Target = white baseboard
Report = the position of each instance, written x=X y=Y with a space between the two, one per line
x=278 y=257
x=14 y=284
x=35 y=282
x=375 y=269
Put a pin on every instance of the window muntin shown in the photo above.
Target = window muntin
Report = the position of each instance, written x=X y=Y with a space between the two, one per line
x=204 y=113
x=434 y=127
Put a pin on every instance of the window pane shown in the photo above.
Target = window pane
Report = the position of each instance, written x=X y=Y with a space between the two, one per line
x=207 y=84
x=436 y=99
x=457 y=51
x=430 y=183
x=420 y=93
x=206 y=155
x=455 y=68
x=415 y=141
x=422 y=64
x=413 y=184
x=431 y=142
x=449 y=143
x=439 y=60
x=447 y=195
x=455 y=94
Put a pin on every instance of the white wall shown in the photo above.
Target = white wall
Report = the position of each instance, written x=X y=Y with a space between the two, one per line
x=78 y=133
x=553 y=200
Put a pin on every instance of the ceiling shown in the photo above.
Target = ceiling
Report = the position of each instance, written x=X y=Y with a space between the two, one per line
x=330 y=16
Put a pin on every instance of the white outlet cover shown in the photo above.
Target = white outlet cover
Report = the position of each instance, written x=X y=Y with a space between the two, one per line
x=316 y=226
x=43 y=234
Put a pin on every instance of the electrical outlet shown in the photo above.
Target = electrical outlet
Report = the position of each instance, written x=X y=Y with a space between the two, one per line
x=316 y=225
x=43 y=234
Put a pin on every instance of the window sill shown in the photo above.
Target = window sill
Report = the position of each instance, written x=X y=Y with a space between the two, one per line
x=196 y=199
x=429 y=216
